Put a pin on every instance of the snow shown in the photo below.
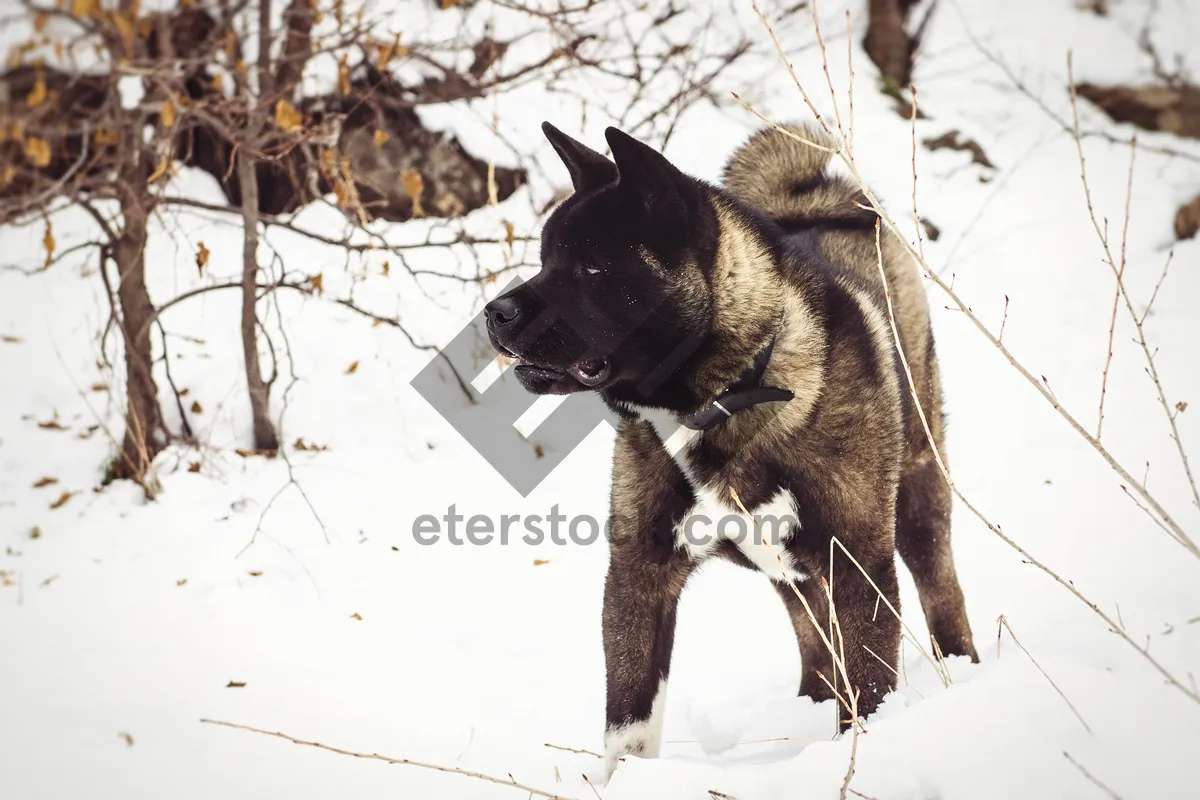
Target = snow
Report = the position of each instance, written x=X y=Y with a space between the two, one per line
x=128 y=617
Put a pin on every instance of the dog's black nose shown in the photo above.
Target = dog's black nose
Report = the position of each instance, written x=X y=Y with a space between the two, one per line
x=503 y=311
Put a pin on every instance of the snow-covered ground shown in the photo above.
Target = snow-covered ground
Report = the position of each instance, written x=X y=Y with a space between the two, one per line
x=123 y=623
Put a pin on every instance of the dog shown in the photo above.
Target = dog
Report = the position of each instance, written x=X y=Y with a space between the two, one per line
x=752 y=314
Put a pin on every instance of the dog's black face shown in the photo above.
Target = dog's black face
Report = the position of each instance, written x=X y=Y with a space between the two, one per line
x=613 y=299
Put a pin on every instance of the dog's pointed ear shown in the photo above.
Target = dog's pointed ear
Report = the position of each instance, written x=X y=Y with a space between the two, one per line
x=654 y=181
x=588 y=169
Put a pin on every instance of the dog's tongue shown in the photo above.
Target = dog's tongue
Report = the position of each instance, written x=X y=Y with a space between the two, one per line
x=590 y=372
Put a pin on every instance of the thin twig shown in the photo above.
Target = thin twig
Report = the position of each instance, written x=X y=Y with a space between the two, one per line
x=1002 y=622
x=1092 y=778
x=389 y=760
x=1151 y=367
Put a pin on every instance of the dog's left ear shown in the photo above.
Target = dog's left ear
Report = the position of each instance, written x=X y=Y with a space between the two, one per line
x=655 y=183
x=588 y=169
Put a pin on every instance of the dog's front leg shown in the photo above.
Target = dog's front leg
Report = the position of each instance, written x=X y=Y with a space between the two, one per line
x=640 y=600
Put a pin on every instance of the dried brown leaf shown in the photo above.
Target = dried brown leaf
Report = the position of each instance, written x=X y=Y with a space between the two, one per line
x=197 y=408
x=287 y=117
x=48 y=243
x=414 y=184
x=43 y=482
x=235 y=685
x=38 y=151
x=62 y=500
x=353 y=368
x=52 y=425
x=537 y=562
x=202 y=254
x=37 y=95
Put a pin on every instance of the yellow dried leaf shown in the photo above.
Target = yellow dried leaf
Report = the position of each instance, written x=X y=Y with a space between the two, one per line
x=287 y=117
x=1181 y=406
x=344 y=75
x=37 y=95
x=381 y=136
x=160 y=170
x=7 y=176
x=386 y=269
x=105 y=137
x=353 y=368
x=40 y=18
x=124 y=26
x=59 y=49
x=413 y=186
x=48 y=242
x=202 y=255
x=356 y=616
x=167 y=113
x=509 y=234
x=316 y=283
x=84 y=8
x=37 y=151
x=62 y=500
x=537 y=562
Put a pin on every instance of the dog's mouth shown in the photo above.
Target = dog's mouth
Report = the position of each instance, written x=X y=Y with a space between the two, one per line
x=590 y=372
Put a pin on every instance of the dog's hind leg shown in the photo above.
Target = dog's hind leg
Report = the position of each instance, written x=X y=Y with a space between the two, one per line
x=923 y=539
x=640 y=601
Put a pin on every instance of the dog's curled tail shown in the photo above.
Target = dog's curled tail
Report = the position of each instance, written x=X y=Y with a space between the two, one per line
x=785 y=178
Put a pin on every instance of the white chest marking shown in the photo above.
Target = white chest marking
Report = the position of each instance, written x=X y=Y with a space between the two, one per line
x=762 y=537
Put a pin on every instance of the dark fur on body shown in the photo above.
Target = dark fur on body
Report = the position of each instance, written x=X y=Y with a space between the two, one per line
x=658 y=290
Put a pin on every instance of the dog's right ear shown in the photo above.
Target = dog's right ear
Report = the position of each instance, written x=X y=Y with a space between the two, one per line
x=588 y=169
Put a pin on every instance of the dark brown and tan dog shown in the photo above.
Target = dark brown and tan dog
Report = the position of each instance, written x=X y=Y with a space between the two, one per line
x=751 y=316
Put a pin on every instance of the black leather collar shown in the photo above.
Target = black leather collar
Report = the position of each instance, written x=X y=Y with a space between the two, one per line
x=743 y=394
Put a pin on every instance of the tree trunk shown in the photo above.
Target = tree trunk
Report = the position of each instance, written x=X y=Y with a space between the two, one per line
x=265 y=437
x=145 y=433
x=887 y=42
